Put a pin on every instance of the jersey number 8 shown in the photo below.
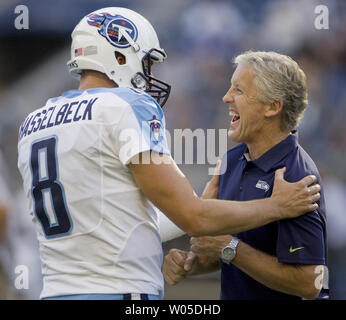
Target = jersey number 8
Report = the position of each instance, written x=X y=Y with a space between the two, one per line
x=47 y=192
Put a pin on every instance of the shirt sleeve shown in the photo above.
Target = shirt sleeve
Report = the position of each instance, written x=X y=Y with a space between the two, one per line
x=140 y=129
x=301 y=240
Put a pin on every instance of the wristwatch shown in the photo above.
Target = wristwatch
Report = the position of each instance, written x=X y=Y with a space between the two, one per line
x=228 y=253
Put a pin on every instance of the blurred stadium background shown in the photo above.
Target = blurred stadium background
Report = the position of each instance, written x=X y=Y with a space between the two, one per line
x=201 y=38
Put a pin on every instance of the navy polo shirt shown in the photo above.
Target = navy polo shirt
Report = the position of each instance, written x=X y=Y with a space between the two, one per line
x=298 y=241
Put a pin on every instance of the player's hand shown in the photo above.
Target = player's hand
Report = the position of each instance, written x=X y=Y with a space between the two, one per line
x=294 y=199
x=209 y=246
x=211 y=190
x=177 y=265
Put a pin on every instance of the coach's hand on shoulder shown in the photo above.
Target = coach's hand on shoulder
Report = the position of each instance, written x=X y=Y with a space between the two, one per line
x=294 y=199
x=211 y=190
x=177 y=265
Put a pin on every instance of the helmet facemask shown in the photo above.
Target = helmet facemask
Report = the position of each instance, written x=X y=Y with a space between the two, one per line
x=157 y=88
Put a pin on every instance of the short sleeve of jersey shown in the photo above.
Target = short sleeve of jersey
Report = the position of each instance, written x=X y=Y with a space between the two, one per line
x=301 y=240
x=141 y=128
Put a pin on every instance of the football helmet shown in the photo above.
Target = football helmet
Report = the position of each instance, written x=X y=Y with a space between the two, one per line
x=101 y=35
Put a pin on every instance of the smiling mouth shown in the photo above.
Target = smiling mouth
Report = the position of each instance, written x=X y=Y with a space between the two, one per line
x=234 y=117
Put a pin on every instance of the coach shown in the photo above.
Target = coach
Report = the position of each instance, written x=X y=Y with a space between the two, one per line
x=283 y=259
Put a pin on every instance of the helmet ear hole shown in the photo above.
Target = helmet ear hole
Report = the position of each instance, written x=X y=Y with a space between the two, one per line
x=120 y=57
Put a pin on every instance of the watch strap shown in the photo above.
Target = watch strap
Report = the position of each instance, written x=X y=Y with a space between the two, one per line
x=234 y=243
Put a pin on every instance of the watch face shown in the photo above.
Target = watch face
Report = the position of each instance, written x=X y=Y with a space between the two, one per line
x=227 y=254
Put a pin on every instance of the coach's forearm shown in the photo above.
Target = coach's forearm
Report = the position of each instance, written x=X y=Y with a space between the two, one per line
x=298 y=280
x=217 y=217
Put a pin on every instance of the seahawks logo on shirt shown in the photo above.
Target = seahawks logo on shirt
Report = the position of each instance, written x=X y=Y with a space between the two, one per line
x=262 y=185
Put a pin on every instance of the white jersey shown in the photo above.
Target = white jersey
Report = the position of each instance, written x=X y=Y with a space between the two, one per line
x=98 y=233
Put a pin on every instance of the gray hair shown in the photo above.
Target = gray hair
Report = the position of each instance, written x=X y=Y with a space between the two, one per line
x=278 y=77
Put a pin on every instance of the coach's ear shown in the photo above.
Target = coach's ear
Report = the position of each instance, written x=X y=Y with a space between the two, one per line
x=273 y=109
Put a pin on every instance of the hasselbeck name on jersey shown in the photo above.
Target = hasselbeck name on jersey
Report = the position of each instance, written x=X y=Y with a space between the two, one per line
x=47 y=117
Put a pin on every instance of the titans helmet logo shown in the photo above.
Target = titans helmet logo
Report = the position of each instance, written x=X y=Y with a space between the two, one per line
x=117 y=30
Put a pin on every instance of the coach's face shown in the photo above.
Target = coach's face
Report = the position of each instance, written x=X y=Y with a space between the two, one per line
x=247 y=113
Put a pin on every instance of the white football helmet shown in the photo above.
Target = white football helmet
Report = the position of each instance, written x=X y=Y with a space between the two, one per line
x=100 y=35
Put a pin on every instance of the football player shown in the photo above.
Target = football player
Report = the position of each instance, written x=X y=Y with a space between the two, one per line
x=95 y=162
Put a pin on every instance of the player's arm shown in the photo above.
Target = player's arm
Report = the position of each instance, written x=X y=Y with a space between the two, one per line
x=168 y=230
x=179 y=264
x=166 y=186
